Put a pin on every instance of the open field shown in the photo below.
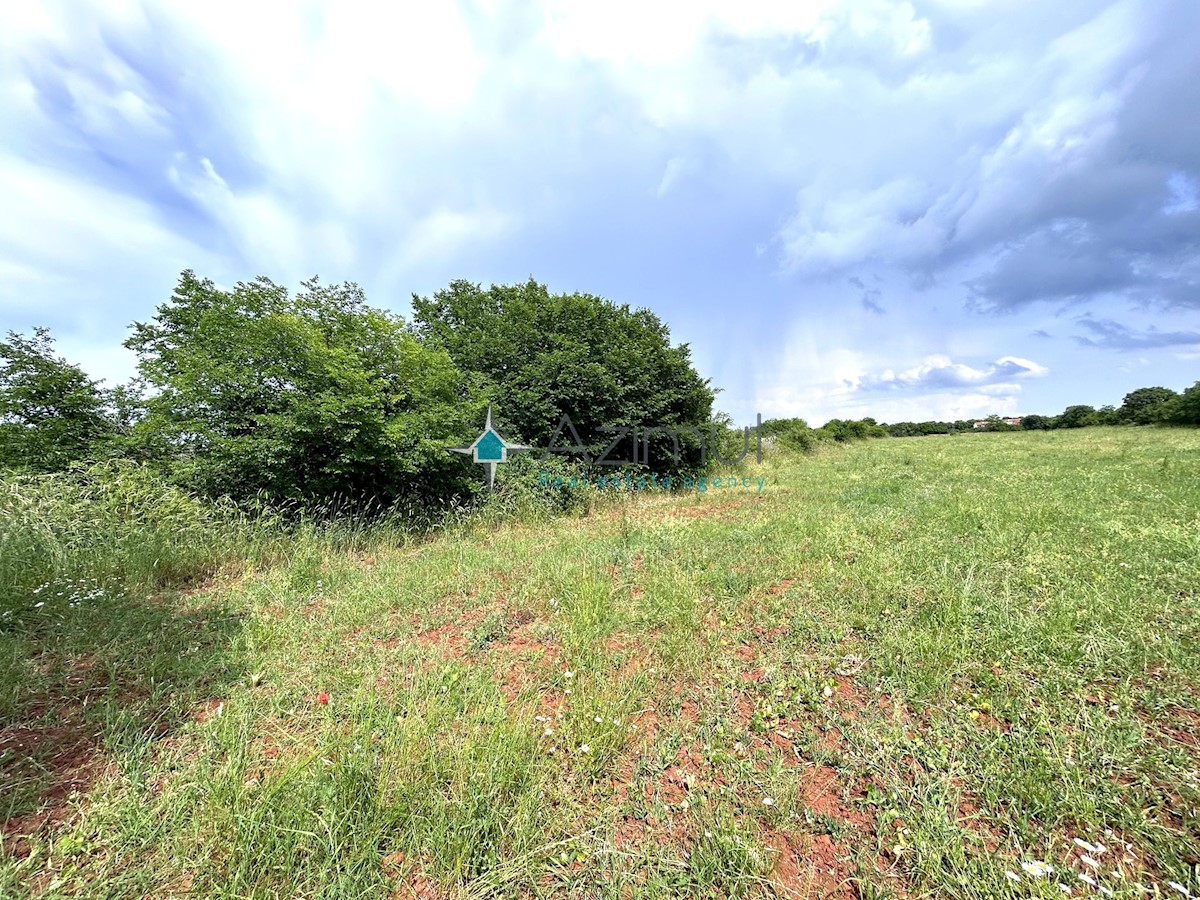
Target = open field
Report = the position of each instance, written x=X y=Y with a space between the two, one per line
x=902 y=669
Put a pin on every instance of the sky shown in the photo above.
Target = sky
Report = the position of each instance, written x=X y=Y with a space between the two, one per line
x=936 y=209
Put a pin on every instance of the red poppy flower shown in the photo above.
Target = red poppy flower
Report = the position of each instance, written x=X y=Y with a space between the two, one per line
x=322 y=697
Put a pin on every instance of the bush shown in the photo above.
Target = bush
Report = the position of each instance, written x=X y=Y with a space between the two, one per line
x=794 y=434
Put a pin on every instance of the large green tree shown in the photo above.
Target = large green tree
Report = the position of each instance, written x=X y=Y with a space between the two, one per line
x=541 y=355
x=1144 y=405
x=51 y=413
x=1183 y=409
x=1076 y=416
x=300 y=397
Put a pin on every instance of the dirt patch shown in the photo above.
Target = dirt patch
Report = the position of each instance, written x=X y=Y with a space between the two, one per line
x=702 y=511
x=452 y=637
x=811 y=866
x=822 y=792
x=67 y=756
x=521 y=660
x=208 y=709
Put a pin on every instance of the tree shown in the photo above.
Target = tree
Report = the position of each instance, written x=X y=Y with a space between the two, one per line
x=1035 y=423
x=51 y=413
x=1183 y=409
x=1076 y=416
x=540 y=355
x=1142 y=406
x=302 y=398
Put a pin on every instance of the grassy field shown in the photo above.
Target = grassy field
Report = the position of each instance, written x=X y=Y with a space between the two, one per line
x=904 y=668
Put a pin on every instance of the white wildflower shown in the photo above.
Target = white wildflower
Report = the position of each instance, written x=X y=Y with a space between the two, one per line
x=1088 y=861
x=1012 y=876
x=1087 y=879
x=1037 y=868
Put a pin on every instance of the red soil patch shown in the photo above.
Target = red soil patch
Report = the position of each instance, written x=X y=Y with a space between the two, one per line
x=452 y=636
x=208 y=709
x=811 y=866
x=520 y=659
x=68 y=752
x=781 y=586
x=746 y=652
x=646 y=724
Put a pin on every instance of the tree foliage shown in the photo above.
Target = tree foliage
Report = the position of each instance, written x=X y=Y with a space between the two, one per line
x=540 y=355
x=310 y=396
x=1143 y=406
x=51 y=413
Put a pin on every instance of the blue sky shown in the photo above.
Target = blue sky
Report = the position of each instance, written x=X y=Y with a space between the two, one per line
x=909 y=210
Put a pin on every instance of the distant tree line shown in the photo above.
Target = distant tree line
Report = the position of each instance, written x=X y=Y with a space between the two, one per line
x=1145 y=406
x=254 y=392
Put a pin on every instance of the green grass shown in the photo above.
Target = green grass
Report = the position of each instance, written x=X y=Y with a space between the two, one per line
x=904 y=668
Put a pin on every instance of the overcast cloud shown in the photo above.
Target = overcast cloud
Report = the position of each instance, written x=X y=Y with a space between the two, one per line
x=914 y=209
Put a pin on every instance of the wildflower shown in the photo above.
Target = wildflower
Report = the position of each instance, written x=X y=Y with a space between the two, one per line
x=322 y=698
x=768 y=801
x=1087 y=879
x=1107 y=892
x=1066 y=889
x=548 y=732
x=1087 y=860
x=597 y=719
x=1085 y=845
x=828 y=692
x=1012 y=876
x=584 y=748
x=568 y=674
x=1037 y=868
x=616 y=721
x=552 y=748
x=1175 y=885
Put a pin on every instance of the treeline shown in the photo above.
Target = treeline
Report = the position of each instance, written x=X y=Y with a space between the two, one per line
x=258 y=394
x=795 y=434
x=1145 y=406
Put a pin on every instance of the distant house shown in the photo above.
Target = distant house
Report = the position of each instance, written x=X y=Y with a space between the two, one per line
x=982 y=423
x=1013 y=420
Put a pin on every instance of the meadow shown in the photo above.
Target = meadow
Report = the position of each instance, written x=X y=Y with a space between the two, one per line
x=951 y=666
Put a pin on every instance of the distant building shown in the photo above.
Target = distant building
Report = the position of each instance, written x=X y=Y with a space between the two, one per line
x=982 y=423
x=1013 y=420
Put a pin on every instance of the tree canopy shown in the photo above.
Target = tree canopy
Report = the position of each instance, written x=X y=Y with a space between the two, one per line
x=540 y=355
x=308 y=396
x=51 y=413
